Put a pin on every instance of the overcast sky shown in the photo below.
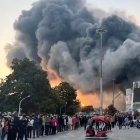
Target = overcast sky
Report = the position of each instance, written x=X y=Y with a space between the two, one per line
x=11 y=9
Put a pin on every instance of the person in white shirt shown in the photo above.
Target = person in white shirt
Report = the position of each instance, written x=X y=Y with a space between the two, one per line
x=30 y=127
x=70 y=122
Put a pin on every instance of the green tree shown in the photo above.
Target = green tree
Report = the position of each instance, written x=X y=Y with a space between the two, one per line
x=136 y=114
x=26 y=79
x=67 y=102
x=111 y=110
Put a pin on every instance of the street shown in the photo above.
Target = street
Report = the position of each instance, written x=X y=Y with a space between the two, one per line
x=116 y=134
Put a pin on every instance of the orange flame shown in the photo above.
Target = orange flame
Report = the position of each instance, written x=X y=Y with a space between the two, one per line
x=85 y=98
x=53 y=78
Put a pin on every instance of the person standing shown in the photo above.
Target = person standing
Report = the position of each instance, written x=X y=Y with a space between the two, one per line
x=120 y=121
x=60 y=123
x=70 y=122
x=47 y=126
x=4 y=128
x=41 y=128
x=43 y=124
x=53 y=125
x=36 y=127
x=97 y=124
x=30 y=127
x=13 y=128
x=112 y=119
x=22 y=129
x=126 y=122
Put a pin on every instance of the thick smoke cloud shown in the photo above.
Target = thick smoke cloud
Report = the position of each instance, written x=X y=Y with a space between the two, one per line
x=61 y=34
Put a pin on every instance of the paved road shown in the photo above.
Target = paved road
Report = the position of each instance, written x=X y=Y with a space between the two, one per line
x=116 y=134
x=125 y=134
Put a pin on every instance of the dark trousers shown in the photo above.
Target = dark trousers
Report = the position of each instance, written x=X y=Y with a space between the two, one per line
x=85 y=126
x=105 y=127
x=109 y=126
x=22 y=133
x=35 y=132
x=60 y=128
x=120 y=125
x=3 y=134
x=42 y=130
x=53 y=130
x=12 y=134
x=29 y=131
x=113 y=124
x=47 y=129
x=97 y=126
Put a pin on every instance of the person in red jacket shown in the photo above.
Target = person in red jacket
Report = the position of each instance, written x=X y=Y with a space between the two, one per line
x=74 y=121
x=53 y=125
x=107 y=123
x=90 y=132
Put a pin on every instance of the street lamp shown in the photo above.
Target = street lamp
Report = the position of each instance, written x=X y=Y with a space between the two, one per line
x=19 y=106
x=100 y=31
x=65 y=107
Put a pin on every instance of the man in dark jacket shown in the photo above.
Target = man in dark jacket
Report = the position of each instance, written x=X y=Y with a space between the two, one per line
x=36 y=125
x=22 y=129
x=41 y=128
x=13 y=128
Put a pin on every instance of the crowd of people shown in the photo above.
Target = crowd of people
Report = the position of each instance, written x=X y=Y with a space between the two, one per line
x=100 y=125
x=25 y=127
x=125 y=120
x=34 y=126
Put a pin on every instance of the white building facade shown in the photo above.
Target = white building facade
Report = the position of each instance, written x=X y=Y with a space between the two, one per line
x=133 y=97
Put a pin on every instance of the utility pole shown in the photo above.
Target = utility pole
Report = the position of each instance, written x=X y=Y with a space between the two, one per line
x=113 y=91
x=101 y=30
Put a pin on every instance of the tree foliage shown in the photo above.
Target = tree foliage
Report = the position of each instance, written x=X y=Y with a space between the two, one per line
x=67 y=102
x=111 y=110
x=26 y=79
x=136 y=114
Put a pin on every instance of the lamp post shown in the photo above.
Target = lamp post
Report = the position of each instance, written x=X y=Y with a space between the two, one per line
x=65 y=108
x=100 y=31
x=19 y=106
x=132 y=99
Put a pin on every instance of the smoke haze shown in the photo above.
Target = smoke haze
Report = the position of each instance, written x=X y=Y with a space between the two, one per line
x=61 y=36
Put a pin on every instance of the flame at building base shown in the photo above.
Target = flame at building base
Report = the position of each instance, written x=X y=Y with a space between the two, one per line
x=90 y=98
x=94 y=99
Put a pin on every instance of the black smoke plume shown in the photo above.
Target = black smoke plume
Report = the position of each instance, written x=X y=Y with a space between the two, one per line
x=61 y=34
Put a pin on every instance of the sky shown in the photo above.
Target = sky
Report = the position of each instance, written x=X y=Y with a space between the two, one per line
x=11 y=9
x=9 y=12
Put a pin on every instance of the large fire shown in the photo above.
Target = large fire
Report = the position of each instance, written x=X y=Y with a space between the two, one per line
x=88 y=98
x=53 y=78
